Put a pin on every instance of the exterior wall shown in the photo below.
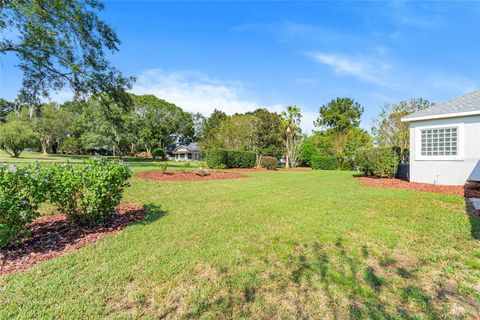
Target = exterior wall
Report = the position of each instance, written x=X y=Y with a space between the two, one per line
x=456 y=170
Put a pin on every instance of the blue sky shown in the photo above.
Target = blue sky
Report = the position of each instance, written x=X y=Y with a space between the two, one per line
x=238 y=56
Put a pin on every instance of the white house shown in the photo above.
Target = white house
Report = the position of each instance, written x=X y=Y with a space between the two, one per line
x=189 y=152
x=445 y=142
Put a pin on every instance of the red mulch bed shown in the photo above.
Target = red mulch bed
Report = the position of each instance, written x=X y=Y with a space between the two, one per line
x=188 y=175
x=424 y=187
x=53 y=236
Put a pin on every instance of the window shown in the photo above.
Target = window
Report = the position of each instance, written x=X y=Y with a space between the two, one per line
x=439 y=142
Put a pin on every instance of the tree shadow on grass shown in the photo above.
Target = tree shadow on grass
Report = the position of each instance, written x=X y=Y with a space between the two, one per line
x=343 y=276
x=474 y=218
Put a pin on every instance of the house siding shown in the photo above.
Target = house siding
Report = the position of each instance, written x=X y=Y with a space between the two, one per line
x=448 y=172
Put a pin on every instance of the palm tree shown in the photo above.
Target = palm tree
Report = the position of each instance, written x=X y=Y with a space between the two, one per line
x=291 y=124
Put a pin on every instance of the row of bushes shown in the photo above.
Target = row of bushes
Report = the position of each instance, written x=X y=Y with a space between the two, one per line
x=379 y=162
x=87 y=193
x=223 y=158
x=324 y=163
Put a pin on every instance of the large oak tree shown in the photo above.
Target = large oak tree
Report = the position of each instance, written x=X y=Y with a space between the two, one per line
x=61 y=43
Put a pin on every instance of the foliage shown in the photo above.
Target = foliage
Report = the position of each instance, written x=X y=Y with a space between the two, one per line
x=217 y=158
x=268 y=133
x=88 y=194
x=355 y=139
x=324 y=163
x=5 y=108
x=22 y=189
x=237 y=132
x=210 y=128
x=160 y=123
x=199 y=122
x=224 y=158
x=61 y=43
x=51 y=126
x=292 y=134
x=163 y=166
x=159 y=153
x=322 y=140
x=16 y=135
x=240 y=159
x=307 y=152
x=341 y=144
x=388 y=128
x=271 y=163
x=379 y=162
x=340 y=114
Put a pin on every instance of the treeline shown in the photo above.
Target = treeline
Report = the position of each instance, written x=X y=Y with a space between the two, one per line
x=148 y=125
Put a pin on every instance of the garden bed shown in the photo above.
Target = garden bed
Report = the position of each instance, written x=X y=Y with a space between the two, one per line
x=188 y=175
x=423 y=187
x=53 y=236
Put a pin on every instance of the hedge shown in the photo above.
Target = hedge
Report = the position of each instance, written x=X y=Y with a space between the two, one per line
x=307 y=152
x=87 y=193
x=271 y=163
x=379 y=162
x=224 y=158
x=324 y=163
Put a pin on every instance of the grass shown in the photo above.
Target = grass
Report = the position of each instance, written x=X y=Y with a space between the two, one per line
x=276 y=245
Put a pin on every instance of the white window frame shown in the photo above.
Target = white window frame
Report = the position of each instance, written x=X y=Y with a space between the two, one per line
x=460 y=142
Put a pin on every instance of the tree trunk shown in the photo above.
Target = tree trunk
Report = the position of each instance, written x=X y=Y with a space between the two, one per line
x=45 y=144
x=287 y=155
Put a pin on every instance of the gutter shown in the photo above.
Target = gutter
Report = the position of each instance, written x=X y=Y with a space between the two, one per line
x=441 y=116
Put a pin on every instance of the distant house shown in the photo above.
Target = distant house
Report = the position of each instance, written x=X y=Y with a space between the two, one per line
x=189 y=152
x=445 y=142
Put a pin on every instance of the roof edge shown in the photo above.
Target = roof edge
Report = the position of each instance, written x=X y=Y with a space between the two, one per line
x=441 y=116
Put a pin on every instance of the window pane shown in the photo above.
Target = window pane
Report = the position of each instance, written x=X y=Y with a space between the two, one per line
x=439 y=142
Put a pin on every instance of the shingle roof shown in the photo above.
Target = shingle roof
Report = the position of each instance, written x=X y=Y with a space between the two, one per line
x=466 y=103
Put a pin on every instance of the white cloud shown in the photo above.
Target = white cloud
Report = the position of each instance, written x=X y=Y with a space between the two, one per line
x=365 y=69
x=194 y=91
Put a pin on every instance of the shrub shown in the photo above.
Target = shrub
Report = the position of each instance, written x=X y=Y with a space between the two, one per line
x=88 y=194
x=158 y=154
x=379 y=161
x=307 y=152
x=217 y=158
x=223 y=158
x=324 y=163
x=240 y=159
x=163 y=166
x=271 y=163
x=21 y=192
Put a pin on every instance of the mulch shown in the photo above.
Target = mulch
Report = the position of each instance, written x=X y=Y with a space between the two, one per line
x=188 y=175
x=423 y=187
x=53 y=236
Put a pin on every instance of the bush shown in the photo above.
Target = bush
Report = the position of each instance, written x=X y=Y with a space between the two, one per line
x=88 y=194
x=21 y=192
x=223 y=158
x=158 y=154
x=324 y=163
x=378 y=162
x=240 y=159
x=307 y=152
x=217 y=158
x=163 y=166
x=271 y=163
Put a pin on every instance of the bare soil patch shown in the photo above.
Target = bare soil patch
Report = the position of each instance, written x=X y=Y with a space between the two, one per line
x=423 y=187
x=188 y=175
x=53 y=236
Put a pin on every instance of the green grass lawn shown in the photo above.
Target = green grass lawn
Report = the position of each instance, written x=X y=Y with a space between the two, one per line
x=278 y=245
